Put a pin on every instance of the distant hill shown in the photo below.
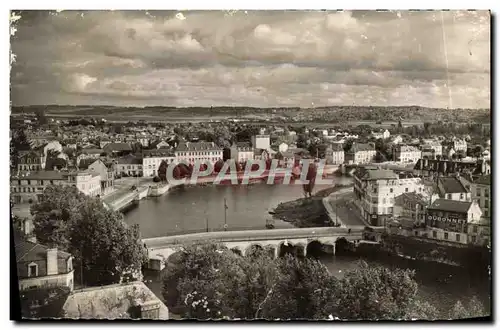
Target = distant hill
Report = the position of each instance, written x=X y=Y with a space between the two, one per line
x=326 y=114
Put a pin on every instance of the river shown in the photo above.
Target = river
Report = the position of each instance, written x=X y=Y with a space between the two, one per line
x=189 y=209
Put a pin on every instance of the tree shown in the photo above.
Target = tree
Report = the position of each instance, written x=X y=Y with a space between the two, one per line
x=18 y=142
x=218 y=166
x=103 y=245
x=375 y=293
x=311 y=177
x=302 y=141
x=162 y=171
x=478 y=151
x=208 y=281
x=40 y=116
x=474 y=309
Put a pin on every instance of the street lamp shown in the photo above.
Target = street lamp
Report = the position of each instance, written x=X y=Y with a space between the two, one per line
x=225 y=215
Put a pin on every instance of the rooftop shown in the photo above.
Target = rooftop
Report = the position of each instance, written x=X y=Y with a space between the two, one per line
x=484 y=180
x=450 y=206
x=111 y=302
x=197 y=146
x=380 y=175
x=452 y=185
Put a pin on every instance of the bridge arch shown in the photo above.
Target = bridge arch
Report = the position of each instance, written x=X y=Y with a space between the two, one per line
x=254 y=249
x=237 y=250
x=286 y=247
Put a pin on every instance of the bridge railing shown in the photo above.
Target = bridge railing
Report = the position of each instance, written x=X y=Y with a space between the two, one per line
x=254 y=235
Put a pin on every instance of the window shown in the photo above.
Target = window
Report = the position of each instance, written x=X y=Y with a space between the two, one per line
x=474 y=229
x=486 y=193
x=41 y=182
x=406 y=189
x=473 y=239
x=486 y=203
x=478 y=192
x=461 y=196
x=391 y=190
x=51 y=181
x=434 y=234
x=32 y=270
x=449 y=196
x=29 y=182
x=445 y=235
x=486 y=213
x=416 y=233
x=457 y=237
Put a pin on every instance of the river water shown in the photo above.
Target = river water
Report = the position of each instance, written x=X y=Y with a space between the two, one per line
x=189 y=209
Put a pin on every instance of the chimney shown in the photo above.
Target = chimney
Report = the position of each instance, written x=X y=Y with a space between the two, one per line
x=150 y=310
x=52 y=261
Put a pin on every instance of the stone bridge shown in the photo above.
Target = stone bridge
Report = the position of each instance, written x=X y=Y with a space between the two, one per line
x=298 y=241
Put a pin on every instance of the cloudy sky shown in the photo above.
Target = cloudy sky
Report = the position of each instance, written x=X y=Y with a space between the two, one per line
x=254 y=58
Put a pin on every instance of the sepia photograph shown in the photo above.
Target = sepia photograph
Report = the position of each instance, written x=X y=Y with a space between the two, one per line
x=276 y=165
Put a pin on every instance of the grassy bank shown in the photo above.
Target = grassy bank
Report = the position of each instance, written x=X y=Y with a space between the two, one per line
x=306 y=212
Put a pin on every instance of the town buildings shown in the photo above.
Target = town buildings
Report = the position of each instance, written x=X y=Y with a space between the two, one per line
x=454 y=188
x=411 y=206
x=375 y=191
x=360 y=154
x=334 y=154
x=40 y=266
x=448 y=220
x=29 y=188
x=151 y=160
x=106 y=173
x=406 y=154
x=191 y=152
x=242 y=152
x=262 y=141
x=129 y=165
x=481 y=193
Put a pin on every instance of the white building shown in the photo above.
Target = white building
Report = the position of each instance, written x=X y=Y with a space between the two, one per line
x=242 y=152
x=360 y=154
x=262 y=141
x=381 y=135
x=334 y=154
x=29 y=188
x=191 y=152
x=283 y=147
x=152 y=159
x=481 y=193
x=460 y=145
x=434 y=145
x=375 y=192
x=406 y=154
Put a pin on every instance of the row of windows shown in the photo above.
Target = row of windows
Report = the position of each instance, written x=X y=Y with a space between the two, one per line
x=130 y=167
x=200 y=153
x=486 y=192
x=36 y=182
x=29 y=167
x=26 y=189
x=446 y=236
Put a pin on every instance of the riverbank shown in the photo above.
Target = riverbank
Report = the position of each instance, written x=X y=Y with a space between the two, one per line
x=308 y=212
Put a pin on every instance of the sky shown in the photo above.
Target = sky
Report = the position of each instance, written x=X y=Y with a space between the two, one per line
x=252 y=58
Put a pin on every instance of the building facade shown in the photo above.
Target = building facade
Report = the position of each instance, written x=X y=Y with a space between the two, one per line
x=242 y=152
x=481 y=193
x=361 y=154
x=375 y=191
x=191 y=152
x=447 y=220
x=406 y=154
x=129 y=165
x=151 y=160
x=334 y=154
x=39 y=266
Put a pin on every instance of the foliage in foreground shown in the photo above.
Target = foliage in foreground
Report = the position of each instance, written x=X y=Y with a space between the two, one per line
x=106 y=248
x=211 y=282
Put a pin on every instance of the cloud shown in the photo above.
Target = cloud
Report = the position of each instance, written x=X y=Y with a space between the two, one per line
x=272 y=58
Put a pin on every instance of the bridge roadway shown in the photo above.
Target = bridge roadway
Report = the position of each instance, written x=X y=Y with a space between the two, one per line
x=297 y=239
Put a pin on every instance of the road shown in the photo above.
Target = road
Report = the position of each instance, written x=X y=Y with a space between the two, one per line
x=342 y=207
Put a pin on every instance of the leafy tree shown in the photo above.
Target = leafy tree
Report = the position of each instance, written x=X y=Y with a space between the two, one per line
x=474 y=309
x=371 y=293
x=40 y=116
x=209 y=281
x=18 y=142
x=103 y=245
x=53 y=215
x=162 y=170
x=348 y=145
x=311 y=177
x=218 y=166
x=302 y=141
